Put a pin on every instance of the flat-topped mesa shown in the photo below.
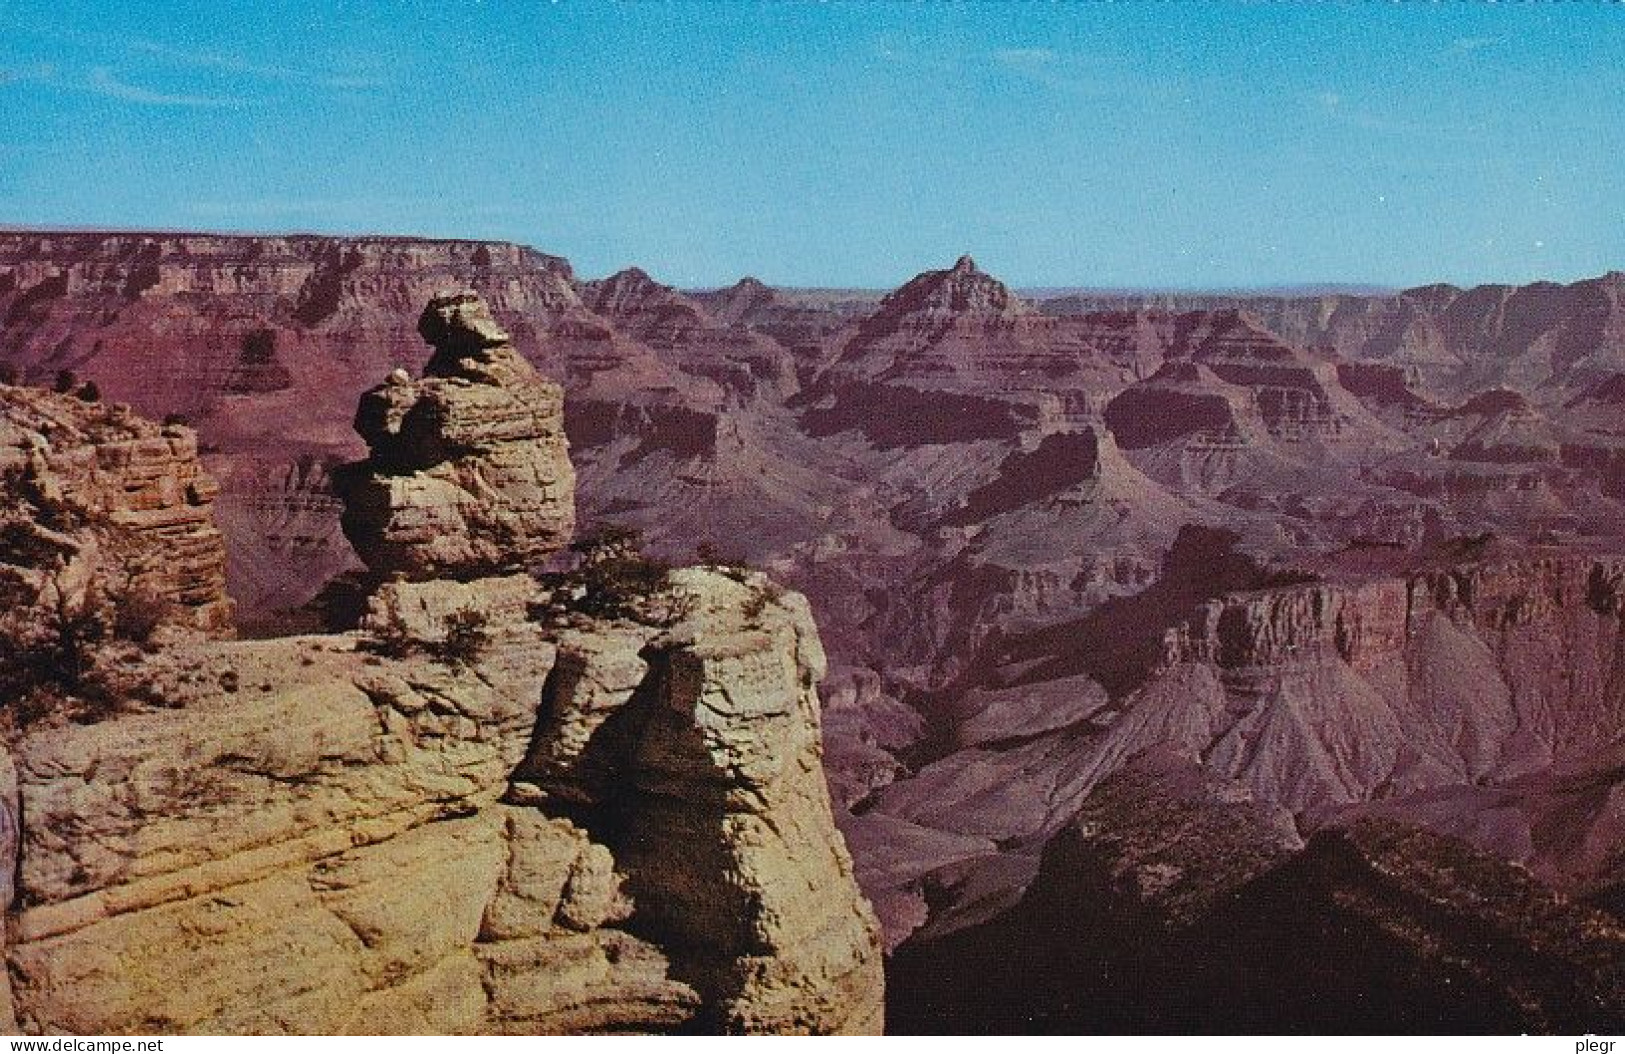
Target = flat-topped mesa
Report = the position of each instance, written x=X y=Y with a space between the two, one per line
x=468 y=472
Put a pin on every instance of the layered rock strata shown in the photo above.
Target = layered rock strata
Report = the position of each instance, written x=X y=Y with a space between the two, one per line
x=305 y=836
x=99 y=496
x=468 y=470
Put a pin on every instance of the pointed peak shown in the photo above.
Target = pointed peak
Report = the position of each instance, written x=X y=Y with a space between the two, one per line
x=630 y=276
x=962 y=290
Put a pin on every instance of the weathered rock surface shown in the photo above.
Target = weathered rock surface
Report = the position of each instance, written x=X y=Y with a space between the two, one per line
x=98 y=498
x=319 y=839
x=456 y=820
x=1480 y=700
x=699 y=752
x=468 y=471
x=264 y=345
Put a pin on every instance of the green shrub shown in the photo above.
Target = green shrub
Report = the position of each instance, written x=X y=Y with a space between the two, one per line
x=49 y=661
x=466 y=637
x=614 y=579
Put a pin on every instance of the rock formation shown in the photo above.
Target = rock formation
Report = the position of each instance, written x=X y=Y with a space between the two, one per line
x=263 y=345
x=1176 y=902
x=100 y=500
x=469 y=472
x=742 y=363
x=696 y=756
x=321 y=839
x=1479 y=699
x=458 y=818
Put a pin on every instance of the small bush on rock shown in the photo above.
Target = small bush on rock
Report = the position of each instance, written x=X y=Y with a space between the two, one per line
x=466 y=637
x=391 y=641
x=614 y=578
x=137 y=614
x=763 y=593
x=50 y=659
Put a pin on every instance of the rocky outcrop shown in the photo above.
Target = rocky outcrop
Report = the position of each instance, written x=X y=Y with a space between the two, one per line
x=323 y=839
x=1177 y=902
x=696 y=756
x=457 y=819
x=469 y=472
x=264 y=344
x=100 y=500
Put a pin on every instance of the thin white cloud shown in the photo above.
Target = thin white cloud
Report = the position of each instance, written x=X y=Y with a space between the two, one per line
x=123 y=48
x=280 y=207
x=1337 y=108
x=1025 y=58
x=101 y=81
x=230 y=64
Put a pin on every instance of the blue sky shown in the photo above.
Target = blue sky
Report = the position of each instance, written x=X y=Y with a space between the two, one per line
x=1130 y=144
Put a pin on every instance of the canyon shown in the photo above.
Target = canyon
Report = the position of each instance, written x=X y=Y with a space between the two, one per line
x=1155 y=614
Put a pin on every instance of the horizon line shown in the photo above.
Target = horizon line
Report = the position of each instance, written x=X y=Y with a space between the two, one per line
x=1031 y=290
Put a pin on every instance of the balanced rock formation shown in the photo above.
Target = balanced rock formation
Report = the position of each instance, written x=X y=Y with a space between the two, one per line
x=468 y=472
x=100 y=499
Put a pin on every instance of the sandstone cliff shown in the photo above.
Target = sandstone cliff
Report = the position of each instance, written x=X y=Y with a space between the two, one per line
x=467 y=815
x=101 y=500
x=305 y=836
